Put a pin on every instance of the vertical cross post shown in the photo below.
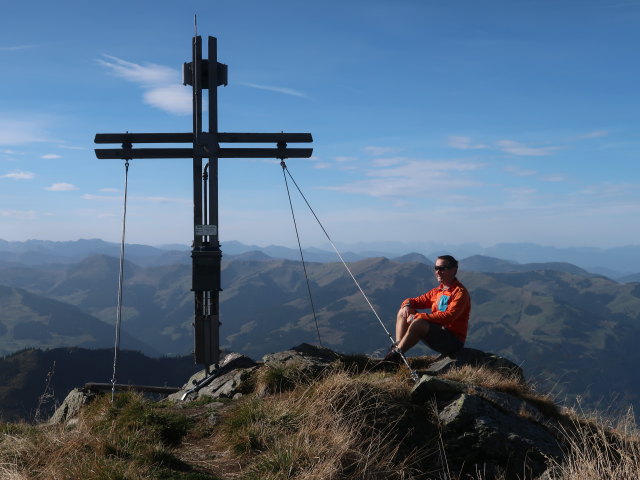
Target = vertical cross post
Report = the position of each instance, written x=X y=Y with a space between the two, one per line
x=206 y=254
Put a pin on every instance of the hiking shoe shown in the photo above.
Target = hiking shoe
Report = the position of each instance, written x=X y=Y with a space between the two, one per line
x=394 y=356
x=390 y=362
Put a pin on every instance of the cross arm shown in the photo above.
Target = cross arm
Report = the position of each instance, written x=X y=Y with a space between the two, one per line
x=222 y=137
x=206 y=146
x=132 y=153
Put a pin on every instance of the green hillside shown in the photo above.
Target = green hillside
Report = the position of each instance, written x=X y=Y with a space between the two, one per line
x=29 y=320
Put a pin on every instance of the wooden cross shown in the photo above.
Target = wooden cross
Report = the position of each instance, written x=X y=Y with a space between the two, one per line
x=206 y=254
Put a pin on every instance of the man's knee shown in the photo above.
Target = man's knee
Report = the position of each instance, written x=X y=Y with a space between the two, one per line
x=420 y=327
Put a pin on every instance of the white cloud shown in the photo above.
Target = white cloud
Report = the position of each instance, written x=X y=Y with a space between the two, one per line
x=595 y=134
x=16 y=131
x=172 y=98
x=149 y=74
x=50 y=156
x=284 y=90
x=554 y=178
x=388 y=162
x=19 y=175
x=517 y=148
x=109 y=190
x=165 y=200
x=22 y=214
x=465 y=143
x=69 y=147
x=413 y=178
x=162 y=85
x=519 y=172
x=344 y=159
x=15 y=48
x=381 y=150
x=61 y=187
x=90 y=196
x=322 y=165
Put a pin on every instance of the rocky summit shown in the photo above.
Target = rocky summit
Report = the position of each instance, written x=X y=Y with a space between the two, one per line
x=473 y=416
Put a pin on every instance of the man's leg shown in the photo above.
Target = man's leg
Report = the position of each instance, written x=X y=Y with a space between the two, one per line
x=402 y=322
x=416 y=330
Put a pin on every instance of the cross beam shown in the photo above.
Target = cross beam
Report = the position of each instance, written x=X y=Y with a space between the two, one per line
x=204 y=146
x=206 y=254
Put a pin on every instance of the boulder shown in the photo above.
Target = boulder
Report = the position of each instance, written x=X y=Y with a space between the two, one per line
x=225 y=382
x=474 y=357
x=480 y=436
x=308 y=358
x=71 y=406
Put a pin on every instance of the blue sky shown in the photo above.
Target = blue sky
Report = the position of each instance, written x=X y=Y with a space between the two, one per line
x=452 y=122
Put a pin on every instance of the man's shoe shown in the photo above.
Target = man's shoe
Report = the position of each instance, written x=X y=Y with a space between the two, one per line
x=390 y=362
x=394 y=356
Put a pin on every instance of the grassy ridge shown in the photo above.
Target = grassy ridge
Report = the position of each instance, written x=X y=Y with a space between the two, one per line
x=346 y=424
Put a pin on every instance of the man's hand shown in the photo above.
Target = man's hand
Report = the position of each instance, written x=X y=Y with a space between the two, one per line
x=406 y=311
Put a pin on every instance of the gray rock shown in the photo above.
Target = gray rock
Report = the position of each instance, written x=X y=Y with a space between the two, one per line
x=429 y=388
x=305 y=357
x=478 y=434
x=71 y=406
x=471 y=356
x=229 y=377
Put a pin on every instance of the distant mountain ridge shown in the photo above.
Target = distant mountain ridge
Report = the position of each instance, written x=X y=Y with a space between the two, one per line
x=615 y=262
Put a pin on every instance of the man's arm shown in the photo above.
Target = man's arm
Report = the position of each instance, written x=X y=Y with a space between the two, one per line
x=418 y=303
x=459 y=304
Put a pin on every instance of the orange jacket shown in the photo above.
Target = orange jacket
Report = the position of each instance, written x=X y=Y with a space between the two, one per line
x=449 y=307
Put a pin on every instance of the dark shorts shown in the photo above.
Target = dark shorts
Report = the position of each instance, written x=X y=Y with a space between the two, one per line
x=442 y=340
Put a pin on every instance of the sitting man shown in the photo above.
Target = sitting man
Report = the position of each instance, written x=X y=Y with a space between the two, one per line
x=445 y=328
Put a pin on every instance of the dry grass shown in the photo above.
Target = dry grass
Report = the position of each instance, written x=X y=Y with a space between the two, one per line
x=128 y=440
x=348 y=424
x=506 y=383
x=341 y=427
x=600 y=449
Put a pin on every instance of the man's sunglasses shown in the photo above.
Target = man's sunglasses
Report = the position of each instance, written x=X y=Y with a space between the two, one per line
x=441 y=268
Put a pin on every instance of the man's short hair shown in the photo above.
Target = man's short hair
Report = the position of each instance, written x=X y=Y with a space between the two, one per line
x=451 y=262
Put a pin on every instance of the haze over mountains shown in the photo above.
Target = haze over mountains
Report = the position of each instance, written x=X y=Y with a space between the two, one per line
x=567 y=327
x=616 y=262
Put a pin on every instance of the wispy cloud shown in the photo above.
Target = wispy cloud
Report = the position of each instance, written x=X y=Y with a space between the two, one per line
x=594 y=134
x=413 y=178
x=271 y=88
x=344 y=159
x=70 y=147
x=147 y=199
x=15 y=48
x=51 y=156
x=109 y=190
x=92 y=197
x=519 y=172
x=22 y=214
x=517 y=148
x=19 y=175
x=61 y=187
x=373 y=150
x=465 y=143
x=16 y=131
x=161 y=83
x=554 y=178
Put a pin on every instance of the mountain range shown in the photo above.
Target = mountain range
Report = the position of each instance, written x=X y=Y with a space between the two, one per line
x=568 y=328
x=620 y=263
